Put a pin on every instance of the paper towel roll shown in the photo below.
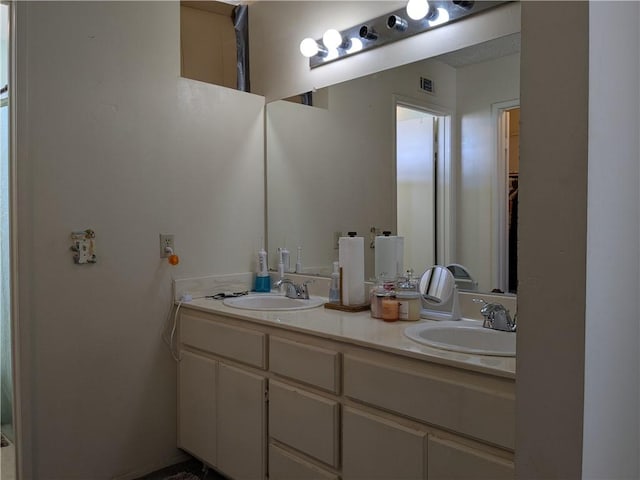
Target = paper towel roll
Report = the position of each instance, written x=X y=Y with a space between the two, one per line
x=351 y=258
x=389 y=256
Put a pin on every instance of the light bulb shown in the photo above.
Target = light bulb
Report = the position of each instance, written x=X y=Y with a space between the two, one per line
x=332 y=39
x=332 y=54
x=308 y=47
x=417 y=9
x=356 y=45
x=441 y=17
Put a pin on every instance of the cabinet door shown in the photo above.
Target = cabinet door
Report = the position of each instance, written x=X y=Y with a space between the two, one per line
x=285 y=466
x=197 y=406
x=451 y=461
x=241 y=423
x=377 y=448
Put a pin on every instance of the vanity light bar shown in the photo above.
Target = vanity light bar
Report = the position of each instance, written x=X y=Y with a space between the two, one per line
x=392 y=27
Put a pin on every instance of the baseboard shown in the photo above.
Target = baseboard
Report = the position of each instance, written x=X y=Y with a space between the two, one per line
x=142 y=471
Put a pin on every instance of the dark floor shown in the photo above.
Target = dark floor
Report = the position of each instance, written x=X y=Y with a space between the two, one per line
x=189 y=470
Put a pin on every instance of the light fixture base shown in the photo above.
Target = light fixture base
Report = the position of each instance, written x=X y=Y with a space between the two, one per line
x=377 y=32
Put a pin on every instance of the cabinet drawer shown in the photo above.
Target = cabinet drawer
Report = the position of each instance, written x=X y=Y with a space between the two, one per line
x=285 y=466
x=480 y=406
x=451 y=461
x=379 y=448
x=308 y=364
x=241 y=344
x=304 y=421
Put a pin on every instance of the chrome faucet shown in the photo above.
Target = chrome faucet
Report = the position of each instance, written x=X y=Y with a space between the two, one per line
x=294 y=290
x=497 y=317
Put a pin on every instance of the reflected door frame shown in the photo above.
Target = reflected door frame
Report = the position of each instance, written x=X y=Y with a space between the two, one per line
x=445 y=184
x=21 y=416
x=500 y=245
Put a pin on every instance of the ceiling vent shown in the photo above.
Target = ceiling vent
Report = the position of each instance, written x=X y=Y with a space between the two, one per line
x=426 y=85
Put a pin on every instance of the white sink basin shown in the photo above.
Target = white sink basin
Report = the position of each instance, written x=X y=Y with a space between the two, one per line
x=272 y=302
x=466 y=337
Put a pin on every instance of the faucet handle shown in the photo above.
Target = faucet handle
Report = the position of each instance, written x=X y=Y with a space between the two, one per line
x=497 y=317
x=304 y=289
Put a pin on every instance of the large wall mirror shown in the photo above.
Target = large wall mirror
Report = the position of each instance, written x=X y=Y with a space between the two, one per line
x=345 y=164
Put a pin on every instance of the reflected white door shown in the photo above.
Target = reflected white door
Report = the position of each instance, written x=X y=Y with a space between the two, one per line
x=416 y=186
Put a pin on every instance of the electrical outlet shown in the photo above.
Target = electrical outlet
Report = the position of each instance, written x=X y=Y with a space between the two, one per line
x=166 y=240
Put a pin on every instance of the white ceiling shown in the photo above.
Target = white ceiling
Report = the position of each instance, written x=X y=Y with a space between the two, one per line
x=482 y=52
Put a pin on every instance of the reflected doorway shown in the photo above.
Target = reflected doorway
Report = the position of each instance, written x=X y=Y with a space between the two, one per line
x=420 y=137
x=509 y=149
x=7 y=451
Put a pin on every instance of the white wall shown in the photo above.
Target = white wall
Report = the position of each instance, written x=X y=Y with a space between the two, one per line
x=110 y=138
x=612 y=403
x=552 y=232
x=279 y=71
x=333 y=170
x=480 y=86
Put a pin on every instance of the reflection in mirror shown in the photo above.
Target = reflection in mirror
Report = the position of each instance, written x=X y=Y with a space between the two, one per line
x=437 y=285
x=333 y=169
x=420 y=156
x=439 y=294
x=463 y=278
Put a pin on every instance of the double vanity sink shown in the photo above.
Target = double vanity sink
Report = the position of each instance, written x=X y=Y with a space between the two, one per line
x=376 y=399
x=464 y=336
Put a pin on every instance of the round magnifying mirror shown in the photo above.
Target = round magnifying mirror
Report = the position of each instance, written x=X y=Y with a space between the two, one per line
x=437 y=285
x=462 y=276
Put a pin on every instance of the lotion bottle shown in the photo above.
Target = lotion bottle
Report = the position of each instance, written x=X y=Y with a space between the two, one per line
x=299 y=261
x=334 y=288
x=286 y=260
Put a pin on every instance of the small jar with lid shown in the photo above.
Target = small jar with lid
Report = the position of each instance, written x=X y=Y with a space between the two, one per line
x=375 y=299
x=408 y=297
x=390 y=307
x=383 y=289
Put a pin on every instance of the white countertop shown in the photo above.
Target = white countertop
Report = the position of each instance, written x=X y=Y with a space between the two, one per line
x=360 y=329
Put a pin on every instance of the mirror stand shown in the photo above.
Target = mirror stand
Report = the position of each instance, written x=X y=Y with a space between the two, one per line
x=439 y=295
x=449 y=310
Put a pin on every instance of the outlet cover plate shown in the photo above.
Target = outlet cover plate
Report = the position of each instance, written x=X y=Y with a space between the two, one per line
x=166 y=240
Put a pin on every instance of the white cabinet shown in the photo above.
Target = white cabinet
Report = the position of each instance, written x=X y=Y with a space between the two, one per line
x=304 y=421
x=449 y=460
x=222 y=403
x=197 y=406
x=376 y=448
x=475 y=405
x=318 y=367
x=241 y=423
x=286 y=466
x=303 y=417
x=334 y=410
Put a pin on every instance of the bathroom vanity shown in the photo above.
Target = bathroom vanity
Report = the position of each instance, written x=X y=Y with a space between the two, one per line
x=323 y=394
